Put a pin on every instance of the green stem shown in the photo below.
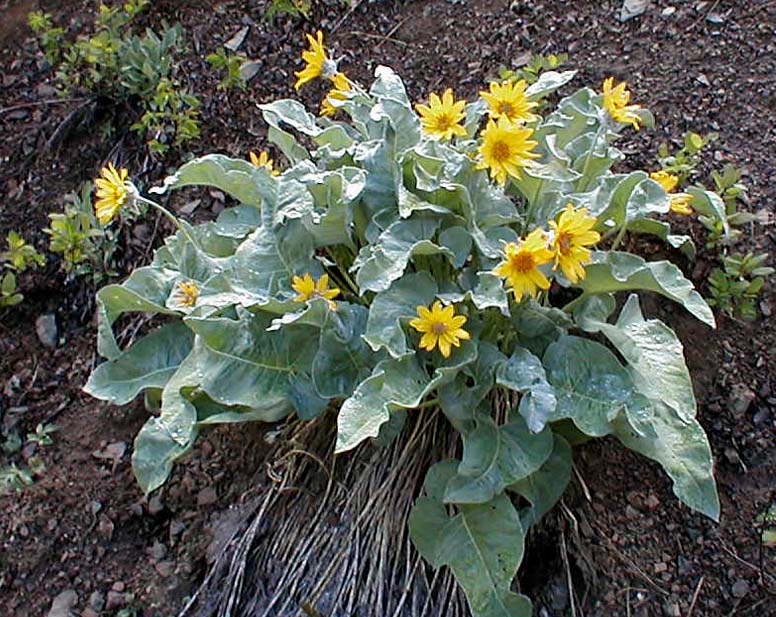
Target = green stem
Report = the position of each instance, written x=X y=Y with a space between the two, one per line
x=532 y=205
x=430 y=403
x=582 y=184
x=620 y=235
x=172 y=218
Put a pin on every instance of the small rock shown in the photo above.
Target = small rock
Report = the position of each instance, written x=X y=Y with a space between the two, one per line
x=116 y=600
x=105 y=527
x=46 y=329
x=118 y=586
x=651 y=502
x=46 y=91
x=631 y=513
x=155 y=505
x=158 y=551
x=61 y=605
x=632 y=8
x=207 y=496
x=671 y=609
x=97 y=601
x=685 y=565
x=715 y=18
x=740 y=588
x=740 y=399
x=18 y=114
x=668 y=11
x=762 y=416
x=659 y=568
x=732 y=456
x=90 y=612
x=634 y=499
x=165 y=568
x=703 y=80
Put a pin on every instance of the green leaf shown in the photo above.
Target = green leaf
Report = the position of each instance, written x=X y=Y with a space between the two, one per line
x=236 y=177
x=482 y=544
x=710 y=204
x=662 y=230
x=537 y=326
x=154 y=454
x=617 y=271
x=395 y=305
x=591 y=385
x=549 y=82
x=394 y=105
x=289 y=113
x=495 y=456
x=654 y=430
x=395 y=383
x=384 y=261
x=546 y=485
x=655 y=357
x=524 y=373
x=148 y=363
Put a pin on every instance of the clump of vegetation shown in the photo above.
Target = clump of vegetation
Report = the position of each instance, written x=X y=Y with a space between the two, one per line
x=138 y=71
x=19 y=257
x=455 y=255
x=86 y=247
x=231 y=67
x=736 y=286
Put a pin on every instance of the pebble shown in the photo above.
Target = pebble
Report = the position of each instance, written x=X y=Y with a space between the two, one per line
x=158 y=551
x=761 y=417
x=740 y=399
x=90 y=612
x=115 y=600
x=97 y=601
x=740 y=588
x=651 y=502
x=61 y=605
x=659 y=568
x=165 y=568
x=118 y=586
x=207 y=496
x=155 y=505
x=46 y=329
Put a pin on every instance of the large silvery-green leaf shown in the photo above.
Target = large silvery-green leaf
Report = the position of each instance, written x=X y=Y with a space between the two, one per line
x=495 y=456
x=655 y=357
x=591 y=385
x=482 y=544
x=654 y=430
x=617 y=271
x=378 y=264
x=395 y=383
x=394 y=105
x=549 y=82
x=537 y=326
x=546 y=485
x=236 y=177
x=146 y=290
x=343 y=359
x=289 y=113
x=395 y=305
x=245 y=365
x=524 y=373
x=147 y=364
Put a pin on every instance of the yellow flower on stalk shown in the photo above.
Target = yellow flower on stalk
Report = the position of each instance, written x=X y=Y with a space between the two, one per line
x=509 y=100
x=308 y=289
x=263 y=160
x=341 y=86
x=442 y=117
x=440 y=327
x=112 y=193
x=520 y=266
x=573 y=234
x=680 y=202
x=318 y=63
x=506 y=149
x=616 y=99
x=184 y=294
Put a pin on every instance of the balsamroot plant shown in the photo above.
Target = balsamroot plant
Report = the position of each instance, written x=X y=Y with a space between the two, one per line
x=453 y=255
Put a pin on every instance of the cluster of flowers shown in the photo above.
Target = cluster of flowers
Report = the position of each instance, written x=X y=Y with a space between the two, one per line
x=506 y=148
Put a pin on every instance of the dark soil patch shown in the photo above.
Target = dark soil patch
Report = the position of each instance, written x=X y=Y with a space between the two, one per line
x=632 y=549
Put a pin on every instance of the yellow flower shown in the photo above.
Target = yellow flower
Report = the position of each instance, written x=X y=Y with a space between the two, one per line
x=307 y=289
x=616 y=99
x=506 y=148
x=509 y=100
x=318 y=63
x=441 y=327
x=263 y=160
x=184 y=294
x=521 y=264
x=341 y=86
x=112 y=193
x=680 y=202
x=573 y=234
x=442 y=118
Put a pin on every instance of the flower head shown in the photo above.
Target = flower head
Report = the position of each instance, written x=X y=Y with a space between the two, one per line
x=113 y=190
x=263 y=160
x=520 y=266
x=509 y=100
x=184 y=295
x=506 y=149
x=440 y=327
x=318 y=63
x=616 y=99
x=442 y=117
x=308 y=289
x=341 y=86
x=573 y=234
x=679 y=202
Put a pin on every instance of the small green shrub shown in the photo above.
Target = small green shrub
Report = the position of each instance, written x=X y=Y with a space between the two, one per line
x=230 y=65
x=138 y=71
x=20 y=256
x=9 y=294
x=736 y=286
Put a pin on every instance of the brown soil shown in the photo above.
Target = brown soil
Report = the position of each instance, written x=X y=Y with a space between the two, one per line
x=633 y=550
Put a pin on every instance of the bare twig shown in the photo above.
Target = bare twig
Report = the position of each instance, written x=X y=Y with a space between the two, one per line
x=44 y=102
x=695 y=595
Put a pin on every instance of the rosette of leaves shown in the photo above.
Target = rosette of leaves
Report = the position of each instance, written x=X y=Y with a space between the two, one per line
x=398 y=220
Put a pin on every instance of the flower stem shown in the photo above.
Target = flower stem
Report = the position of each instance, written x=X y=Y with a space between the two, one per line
x=582 y=184
x=172 y=218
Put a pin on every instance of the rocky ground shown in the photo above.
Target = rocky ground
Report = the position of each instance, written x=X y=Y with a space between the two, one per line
x=83 y=539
